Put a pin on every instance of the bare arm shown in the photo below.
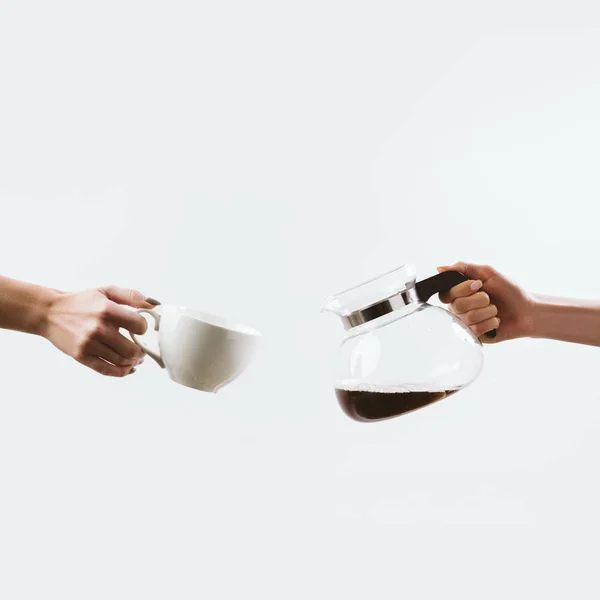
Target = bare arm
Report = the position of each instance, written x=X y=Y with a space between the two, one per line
x=566 y=319
x=84 y=325
x=25 y=306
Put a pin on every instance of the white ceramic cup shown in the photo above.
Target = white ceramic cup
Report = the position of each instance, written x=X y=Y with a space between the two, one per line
x=199 y=350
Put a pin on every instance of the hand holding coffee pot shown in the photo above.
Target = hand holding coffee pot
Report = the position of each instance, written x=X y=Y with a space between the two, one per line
x=510 y=306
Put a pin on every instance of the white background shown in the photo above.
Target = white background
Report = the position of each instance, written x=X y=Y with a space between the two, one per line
x=251 y=159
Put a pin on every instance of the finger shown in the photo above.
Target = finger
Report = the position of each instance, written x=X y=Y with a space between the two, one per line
x=485 y=327
x=120 y=344
x=472 y=271
x=108 y=354
x=479 y=315
x=464 y=305
x=462 y=290
x=128 y=297
x=102 y=367
x=128 y=319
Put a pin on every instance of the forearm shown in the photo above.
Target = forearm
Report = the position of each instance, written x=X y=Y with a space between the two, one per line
x=24 y=306
x=567 y=320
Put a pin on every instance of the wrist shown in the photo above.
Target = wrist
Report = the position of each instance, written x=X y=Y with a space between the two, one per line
x=42 y=313
x=539 y=316
x=525 y=316
x=555 y=318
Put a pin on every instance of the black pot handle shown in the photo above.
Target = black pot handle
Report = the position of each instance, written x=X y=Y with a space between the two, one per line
x=442 y=282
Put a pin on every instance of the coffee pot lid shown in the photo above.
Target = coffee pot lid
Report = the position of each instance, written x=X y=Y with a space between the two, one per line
x=375 y=297
x=387 y=293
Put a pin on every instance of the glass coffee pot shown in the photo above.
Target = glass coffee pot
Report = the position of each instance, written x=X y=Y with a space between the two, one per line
x=400 y=353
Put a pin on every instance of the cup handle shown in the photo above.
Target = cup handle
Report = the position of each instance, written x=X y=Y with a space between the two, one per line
x=442 y=282
x=154 y=355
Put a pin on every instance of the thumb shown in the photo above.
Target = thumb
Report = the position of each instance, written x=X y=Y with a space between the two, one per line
x=129 y=297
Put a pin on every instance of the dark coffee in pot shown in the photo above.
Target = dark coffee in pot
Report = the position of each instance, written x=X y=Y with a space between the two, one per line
x=376 y=404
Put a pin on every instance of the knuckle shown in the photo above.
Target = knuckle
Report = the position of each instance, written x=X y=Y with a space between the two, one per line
x=119 y=361
x=131 y=352
x=140 y=325
x=135 y=296
x=460 y=291
x=470 y=318
x=80 y=354
x=84 y=345
x=105 y=311
x=462 y=305
x=130 y=356
x=478 y=329
x=486 y=326
x=463 y=319
x=493 y=310
x=96 y=330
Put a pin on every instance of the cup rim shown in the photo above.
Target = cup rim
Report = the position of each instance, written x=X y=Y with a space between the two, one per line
x=213 y=320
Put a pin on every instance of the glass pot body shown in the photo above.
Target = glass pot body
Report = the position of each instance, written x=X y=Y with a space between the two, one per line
x=405 y=359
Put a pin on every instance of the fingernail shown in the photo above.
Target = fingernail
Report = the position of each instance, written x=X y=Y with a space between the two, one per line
x=476 y=285
x=152 y=301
